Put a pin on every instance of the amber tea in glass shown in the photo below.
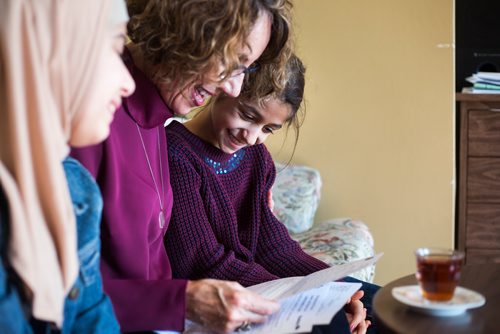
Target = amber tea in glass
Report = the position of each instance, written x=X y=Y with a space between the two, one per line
x=438 y=272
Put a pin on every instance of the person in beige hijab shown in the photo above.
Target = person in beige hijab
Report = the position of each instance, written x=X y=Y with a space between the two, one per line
x=61 y=79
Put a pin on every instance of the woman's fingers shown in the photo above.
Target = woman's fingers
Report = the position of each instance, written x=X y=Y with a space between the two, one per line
x=223 y=306
x=256 y=304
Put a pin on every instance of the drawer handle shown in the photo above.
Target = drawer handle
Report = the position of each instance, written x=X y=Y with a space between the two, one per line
x=495 y=109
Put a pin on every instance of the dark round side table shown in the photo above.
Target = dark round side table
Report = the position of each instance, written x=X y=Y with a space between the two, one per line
x=394 y=317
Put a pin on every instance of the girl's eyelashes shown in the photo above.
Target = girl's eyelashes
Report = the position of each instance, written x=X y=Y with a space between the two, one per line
x=245 y=114
x=249 y=113
x=268 y=129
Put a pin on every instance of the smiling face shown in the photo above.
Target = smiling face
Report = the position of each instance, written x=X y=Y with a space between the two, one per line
x=234 y=124
x=198 y=93
x=91 y=123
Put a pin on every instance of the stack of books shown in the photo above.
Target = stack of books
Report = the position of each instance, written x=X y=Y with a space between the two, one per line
x=484 y=83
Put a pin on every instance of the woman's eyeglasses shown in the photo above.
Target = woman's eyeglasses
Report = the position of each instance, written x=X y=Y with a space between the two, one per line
x=243 y=70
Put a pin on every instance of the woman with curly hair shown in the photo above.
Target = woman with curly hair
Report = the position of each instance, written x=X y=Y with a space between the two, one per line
x=182 y=53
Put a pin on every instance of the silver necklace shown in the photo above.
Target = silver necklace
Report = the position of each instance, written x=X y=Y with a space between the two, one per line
x=161 y=216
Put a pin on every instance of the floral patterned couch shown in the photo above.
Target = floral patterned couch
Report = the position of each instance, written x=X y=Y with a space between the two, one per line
x=296 y=195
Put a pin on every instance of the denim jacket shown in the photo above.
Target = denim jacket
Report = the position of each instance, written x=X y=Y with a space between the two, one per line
x=87 y=309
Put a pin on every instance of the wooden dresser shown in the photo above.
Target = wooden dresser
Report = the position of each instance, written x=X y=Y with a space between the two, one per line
x=478 y=230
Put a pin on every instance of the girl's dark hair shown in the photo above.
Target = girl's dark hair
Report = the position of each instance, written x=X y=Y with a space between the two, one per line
x=258 y=88
x=293 y=93
x=183 y=39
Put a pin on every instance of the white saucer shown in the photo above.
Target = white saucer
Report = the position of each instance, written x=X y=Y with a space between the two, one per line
x=462 y=300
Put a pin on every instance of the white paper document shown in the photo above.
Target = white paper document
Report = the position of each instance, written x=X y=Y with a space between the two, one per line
x=299 y=313
x=284 y=287
x=305 y=300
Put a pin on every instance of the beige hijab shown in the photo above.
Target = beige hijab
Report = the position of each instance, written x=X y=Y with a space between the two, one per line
x=48 y=55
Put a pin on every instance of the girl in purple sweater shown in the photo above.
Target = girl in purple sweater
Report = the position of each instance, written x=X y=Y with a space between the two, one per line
x=221 y=174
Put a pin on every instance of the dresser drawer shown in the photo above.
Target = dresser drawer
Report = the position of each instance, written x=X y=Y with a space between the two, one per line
x=484 y=133
x=483 y=180
x=478 y=182
x=476 y=256
x=483 y=226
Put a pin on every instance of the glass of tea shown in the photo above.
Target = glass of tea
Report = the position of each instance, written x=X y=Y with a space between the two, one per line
x=438 y=272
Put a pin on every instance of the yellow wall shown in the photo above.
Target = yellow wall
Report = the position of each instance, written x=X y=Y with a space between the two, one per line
x=380 y=119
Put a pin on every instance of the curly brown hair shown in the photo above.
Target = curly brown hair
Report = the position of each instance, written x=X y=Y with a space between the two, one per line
x=184 y=39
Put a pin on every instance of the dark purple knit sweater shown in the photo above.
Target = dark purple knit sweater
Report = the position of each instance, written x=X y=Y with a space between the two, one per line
x=221 y=225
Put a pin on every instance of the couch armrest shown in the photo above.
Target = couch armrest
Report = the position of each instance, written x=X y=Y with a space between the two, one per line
x=340 y=241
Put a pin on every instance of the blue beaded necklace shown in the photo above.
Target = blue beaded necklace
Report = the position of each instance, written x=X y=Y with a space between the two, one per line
x=228 y=166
